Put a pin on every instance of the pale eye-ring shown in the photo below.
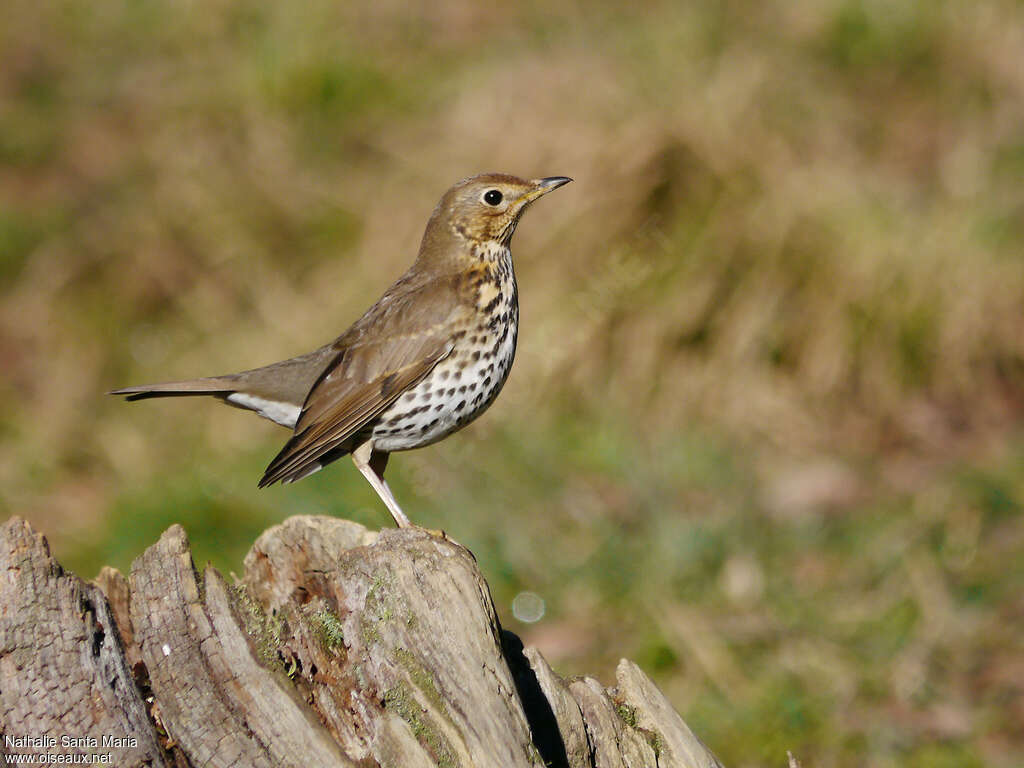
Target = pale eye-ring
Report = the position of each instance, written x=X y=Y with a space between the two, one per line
x=493 y=197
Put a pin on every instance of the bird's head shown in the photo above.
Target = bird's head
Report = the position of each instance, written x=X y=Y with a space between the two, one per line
x=486 y=208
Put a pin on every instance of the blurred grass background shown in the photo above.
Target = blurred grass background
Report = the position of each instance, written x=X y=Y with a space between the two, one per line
x=764 y=430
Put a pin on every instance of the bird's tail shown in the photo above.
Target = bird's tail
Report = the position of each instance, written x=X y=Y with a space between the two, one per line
x=217 y=386
x=232 y=389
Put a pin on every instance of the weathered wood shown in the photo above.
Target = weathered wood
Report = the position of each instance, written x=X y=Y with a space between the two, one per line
x=419 y=636
x=63 y=673
x=339 y=647
x=215 y=699
x=651 y=713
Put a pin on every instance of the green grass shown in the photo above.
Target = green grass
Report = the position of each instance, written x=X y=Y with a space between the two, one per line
x=763 y=434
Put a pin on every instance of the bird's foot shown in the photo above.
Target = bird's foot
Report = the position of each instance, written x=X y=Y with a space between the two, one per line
x=436 y=533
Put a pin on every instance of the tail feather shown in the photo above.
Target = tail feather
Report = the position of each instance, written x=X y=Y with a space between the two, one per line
x=216 y=386
x=226 y=388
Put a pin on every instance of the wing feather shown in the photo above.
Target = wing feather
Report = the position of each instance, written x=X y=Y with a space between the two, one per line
x=385 y=353
x=341 y=420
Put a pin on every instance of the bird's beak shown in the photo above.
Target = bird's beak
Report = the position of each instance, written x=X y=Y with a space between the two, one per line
x=543 y=186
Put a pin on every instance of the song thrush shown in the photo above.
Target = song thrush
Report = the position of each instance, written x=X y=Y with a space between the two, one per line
x=425 y=360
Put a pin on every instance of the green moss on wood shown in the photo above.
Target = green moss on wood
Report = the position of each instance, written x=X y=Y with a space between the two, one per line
x=653 y=738
x=402 y=701
x=264 y=630
x=329 y=630
x=421 y=677
x=377 y=608
x=627 y=714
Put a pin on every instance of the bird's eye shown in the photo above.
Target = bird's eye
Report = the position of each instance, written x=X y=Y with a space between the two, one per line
x=492 y=197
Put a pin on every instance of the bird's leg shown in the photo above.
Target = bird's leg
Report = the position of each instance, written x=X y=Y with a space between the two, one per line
x=371 y=463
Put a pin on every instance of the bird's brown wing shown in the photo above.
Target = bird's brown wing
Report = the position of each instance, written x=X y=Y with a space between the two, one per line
x=388 y=351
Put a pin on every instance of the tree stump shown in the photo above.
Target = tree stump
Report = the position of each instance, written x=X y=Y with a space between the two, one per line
x=339 y=647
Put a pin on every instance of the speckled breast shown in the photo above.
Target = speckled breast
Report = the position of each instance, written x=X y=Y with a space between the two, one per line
x=464 y=384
